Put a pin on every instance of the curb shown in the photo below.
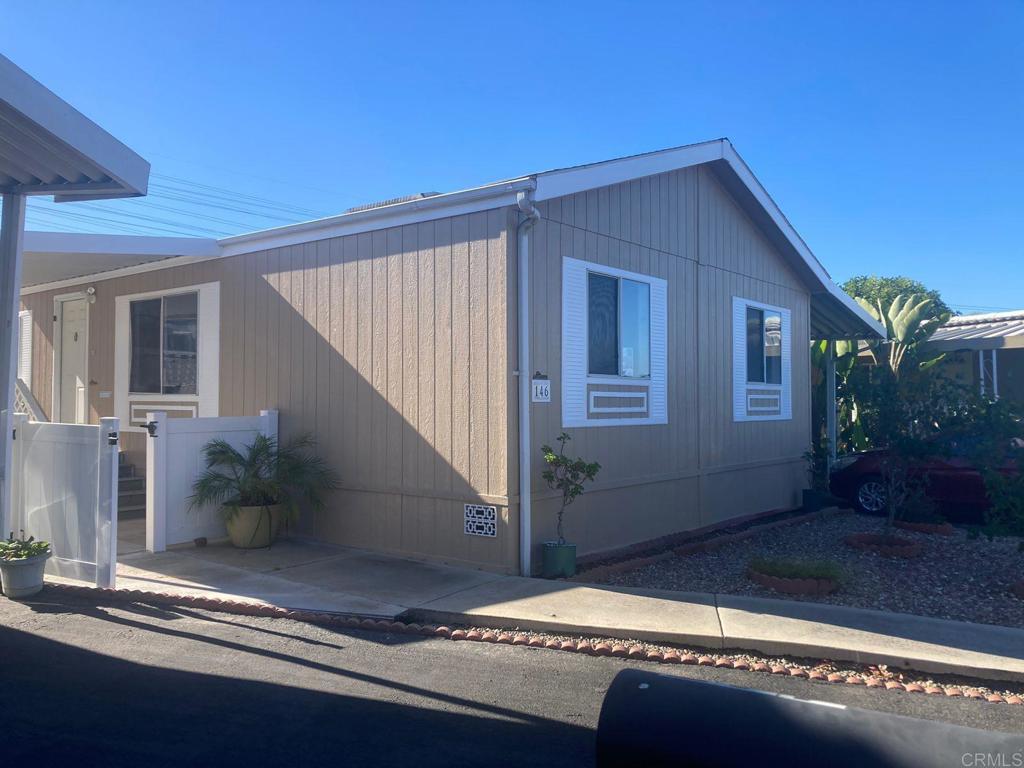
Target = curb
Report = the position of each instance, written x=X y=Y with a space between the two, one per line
x=531 y=640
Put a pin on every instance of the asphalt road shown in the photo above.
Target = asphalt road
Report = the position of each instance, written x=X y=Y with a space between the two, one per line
x=142 y=685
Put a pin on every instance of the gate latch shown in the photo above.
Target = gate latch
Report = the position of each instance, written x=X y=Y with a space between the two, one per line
x=111 y=438
x=151 y=428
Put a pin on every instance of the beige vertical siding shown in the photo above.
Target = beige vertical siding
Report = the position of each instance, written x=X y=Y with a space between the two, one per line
x=701 y=467
x=390 y=347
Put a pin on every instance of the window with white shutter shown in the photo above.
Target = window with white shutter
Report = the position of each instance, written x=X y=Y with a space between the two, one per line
x=761 y=361
x=614 y=346
x=25 y=347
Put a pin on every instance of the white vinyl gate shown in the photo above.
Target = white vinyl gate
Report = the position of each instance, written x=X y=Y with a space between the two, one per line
x=64 y=491
x=174 y=459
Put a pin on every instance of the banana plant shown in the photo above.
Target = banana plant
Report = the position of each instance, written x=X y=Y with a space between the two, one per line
x=910 y=320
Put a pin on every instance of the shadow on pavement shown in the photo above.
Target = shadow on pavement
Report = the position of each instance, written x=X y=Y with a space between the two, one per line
x=64 y=703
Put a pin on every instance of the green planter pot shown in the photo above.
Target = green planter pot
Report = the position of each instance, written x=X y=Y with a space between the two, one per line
x=559 y=560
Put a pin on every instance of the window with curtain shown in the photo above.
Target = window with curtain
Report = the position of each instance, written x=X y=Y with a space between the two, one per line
x=164 y=345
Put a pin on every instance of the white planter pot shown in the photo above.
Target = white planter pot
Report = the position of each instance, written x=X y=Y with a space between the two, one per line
x=23 y=578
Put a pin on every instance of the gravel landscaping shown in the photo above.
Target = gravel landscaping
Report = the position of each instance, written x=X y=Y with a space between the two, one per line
x=954 y=578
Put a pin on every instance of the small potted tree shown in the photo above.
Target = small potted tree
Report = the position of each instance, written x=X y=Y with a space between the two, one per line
x=21 y=565
x=261 y=485
x=567 y=476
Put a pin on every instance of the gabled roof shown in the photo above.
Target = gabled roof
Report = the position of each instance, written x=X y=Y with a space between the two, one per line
x=833 y=313
x=47 y=147
x=993 y=330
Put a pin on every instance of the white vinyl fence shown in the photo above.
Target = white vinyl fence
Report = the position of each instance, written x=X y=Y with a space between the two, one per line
x=174 y=459
x=64 y=491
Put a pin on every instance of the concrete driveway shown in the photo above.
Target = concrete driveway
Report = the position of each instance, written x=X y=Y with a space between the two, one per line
x=299 y=574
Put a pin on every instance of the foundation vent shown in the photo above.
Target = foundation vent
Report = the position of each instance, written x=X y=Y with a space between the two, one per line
x=481 y=520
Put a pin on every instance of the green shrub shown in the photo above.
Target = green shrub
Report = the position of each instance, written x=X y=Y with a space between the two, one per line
x=797 y=569
x=21 y=549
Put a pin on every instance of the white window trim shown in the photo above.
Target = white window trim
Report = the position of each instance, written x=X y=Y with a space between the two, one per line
x=739 y=363
x=576 y=374
x=207 y=397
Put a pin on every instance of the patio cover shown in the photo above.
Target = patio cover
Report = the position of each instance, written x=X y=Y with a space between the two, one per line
x=994 y=330
x=46 y=148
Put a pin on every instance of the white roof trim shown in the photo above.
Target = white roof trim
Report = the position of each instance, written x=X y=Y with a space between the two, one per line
x=569 y=181
x=742 y=170
x=472 y=200
x=138 y=245
x=75 y=134
x=546 y=185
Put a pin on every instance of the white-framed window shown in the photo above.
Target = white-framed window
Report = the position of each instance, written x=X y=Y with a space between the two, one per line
x=167 y=353
x=762 y=361
x=163 y=345
x=24 y=341
x=614 y=340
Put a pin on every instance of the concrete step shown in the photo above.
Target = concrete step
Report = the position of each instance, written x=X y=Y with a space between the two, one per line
x=131 y=484
x=134 y=499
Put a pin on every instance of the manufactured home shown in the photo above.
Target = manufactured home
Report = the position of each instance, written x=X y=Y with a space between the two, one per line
x=658 y=308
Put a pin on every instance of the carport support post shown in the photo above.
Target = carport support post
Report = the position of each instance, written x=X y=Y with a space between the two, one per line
x=831 y=406
x=12 y=234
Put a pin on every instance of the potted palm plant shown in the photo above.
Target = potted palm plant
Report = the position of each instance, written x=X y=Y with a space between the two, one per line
x=261 y=485
x=567 y=476
x=21 y=565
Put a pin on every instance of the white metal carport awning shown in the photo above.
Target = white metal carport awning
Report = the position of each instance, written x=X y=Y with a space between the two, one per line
x=994 y=330
x=47 y=147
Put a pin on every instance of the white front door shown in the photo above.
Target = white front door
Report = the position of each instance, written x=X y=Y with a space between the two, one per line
x=74 y=325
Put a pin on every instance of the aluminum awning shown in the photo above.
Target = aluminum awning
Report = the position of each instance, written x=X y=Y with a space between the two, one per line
x=994 y=330
x=47 y=147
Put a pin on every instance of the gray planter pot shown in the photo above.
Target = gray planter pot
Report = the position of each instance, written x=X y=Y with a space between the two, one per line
x=253 y=527
x=23 y=578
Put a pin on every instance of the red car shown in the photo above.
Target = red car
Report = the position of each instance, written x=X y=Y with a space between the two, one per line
x=952 y=482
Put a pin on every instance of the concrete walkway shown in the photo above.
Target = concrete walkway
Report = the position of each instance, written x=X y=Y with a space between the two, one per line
x=314 y=576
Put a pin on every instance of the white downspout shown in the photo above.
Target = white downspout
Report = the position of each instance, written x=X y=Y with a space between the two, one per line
x=527 y=207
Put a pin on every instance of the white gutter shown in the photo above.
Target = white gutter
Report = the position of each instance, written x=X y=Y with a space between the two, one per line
x=525 y=203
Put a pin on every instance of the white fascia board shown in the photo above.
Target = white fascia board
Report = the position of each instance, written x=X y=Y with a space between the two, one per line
x=135 y=245
x=399 y=214
x=742 y=170
x=73 y=130
x=111 y=274
x=182 y=251
x=559 y=183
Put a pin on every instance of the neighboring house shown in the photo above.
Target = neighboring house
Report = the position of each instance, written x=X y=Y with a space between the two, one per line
x=668 y=307
x=985 y=352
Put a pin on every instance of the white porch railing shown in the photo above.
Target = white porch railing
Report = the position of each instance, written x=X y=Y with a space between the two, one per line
x=25 y=402
x=64 y=491
x=174 y=459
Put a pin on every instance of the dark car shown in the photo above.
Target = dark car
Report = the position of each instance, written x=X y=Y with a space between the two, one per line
x=951 y=481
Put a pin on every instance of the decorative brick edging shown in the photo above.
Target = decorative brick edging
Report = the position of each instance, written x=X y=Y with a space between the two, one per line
x=940 y=529
x=884 y=545
x=793 y=586
x=528 y=639
x=603 y=568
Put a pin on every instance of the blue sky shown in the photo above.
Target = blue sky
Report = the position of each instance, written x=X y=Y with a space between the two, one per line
x=889 y=133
